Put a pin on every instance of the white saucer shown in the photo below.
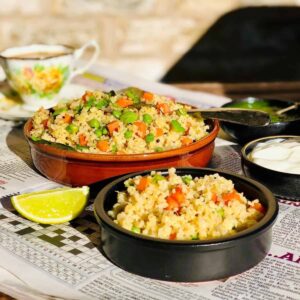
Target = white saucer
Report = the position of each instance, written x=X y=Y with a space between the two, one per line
x=14 y=111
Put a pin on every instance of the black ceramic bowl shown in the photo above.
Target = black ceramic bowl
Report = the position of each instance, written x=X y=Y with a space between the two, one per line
x=187 y=261
x=244 y=133
x=283 y=185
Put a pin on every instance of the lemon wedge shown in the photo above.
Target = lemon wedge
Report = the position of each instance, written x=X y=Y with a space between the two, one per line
x=52 y=206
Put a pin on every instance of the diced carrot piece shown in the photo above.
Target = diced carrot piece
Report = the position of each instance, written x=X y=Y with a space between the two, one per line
x=45 y=123
x=142 y=128
x=172 y=203
x=82 y=140
x=67 y=118
x=214 y=198
x=163 y=107
x=227 y=197
x=188 y=126
x=143 y=183
x=113 y=126
x=178 y=195
x=159 y=132
x=124 y=102
x=259 y=207
x=103 y=145
x=148 y=96
x=185 y=141
x=86 y=95
x=172 y=236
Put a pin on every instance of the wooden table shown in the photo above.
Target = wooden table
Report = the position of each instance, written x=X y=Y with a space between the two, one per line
x=276 y=90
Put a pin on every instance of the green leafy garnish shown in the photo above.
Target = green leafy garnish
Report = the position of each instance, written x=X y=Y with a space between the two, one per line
x=35 y=138
x=134 y=94
x=104 y=131
x=128 y=117
x=90 y=103
x=187 y=179
x=159 y=149
x=135 y=229
x=102 y=103
x=221 y=212
x=176 y=126
x=79 y=147
x=59 y=111
x=114 y=148
x=117 y=113
x=157 y=177
x=181 y=112
x=195 y=237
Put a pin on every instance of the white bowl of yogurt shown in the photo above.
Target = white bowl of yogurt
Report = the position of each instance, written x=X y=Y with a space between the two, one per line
x=275 y=162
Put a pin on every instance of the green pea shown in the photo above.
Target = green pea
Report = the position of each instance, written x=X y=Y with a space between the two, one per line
x=98 y=132
x=94 y=123
x=72 y=128
x=181 y=112
x=117 y=113
x=149 y=138
x=176 y=126
x=128 y=117
x=102 y=103
x=128 y=134
x=157 y=177
x=159 y=149
x=35 y=138
x=135 y=229
x=104 y=131
x=147 y=118
x=59 y=111
x=187 y=179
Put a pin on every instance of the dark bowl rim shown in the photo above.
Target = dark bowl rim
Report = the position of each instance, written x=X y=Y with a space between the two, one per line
x=268 y=219
x=271 y=137
x=245 y=99
x=91 y=157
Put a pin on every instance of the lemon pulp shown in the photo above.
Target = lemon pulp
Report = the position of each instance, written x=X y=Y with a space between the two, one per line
x=52 y=206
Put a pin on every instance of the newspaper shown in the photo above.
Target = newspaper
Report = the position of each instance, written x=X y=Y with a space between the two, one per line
x=64 y=261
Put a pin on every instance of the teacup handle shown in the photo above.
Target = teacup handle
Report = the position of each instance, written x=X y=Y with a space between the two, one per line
x=79 y=52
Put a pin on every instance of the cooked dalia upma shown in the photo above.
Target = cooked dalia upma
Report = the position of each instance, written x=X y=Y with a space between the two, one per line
x=127 y=122
x=184 y=208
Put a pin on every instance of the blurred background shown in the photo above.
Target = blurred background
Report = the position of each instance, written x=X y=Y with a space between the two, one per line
x=143 y=37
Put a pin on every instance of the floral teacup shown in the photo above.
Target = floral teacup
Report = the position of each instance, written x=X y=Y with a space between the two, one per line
x=38 y=72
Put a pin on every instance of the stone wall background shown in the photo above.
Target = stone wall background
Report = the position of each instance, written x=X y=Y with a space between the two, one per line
x=143 y=37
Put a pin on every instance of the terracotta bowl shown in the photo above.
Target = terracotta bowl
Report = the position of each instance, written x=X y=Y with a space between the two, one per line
x=77 y=169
